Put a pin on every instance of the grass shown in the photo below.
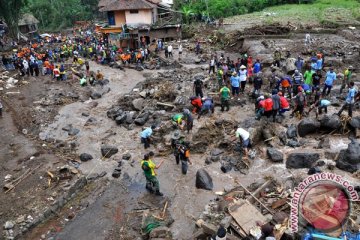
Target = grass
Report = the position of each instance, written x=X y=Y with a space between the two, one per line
x=329 y=12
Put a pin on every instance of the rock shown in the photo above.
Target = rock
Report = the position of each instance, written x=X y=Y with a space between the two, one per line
x=314 y=170
x=293 y=143
x=324 y=143
x=215 y=158
x=9 y=225
x=349 y=159
x=142 y=119
x=197 y=60
x=107 y=150
x=203 y=180
x=85 y=114
x=114 y=112
x=95 y=95
x=116 y=174
x=73 y=131
x=126 y=156
x=355 y=122
x=226 y=167
x=130 y=117
x=92 y=176
x=301 y=160
x=308 y=125
x=275 y=155
x=90 y=121
x=216 y=152
x=102 y=174
x=120 y=119
x=84 y=157
x=290 y=65
x=291 y=132
x=330 y=122
x=143 y=94
x=161 y=232
x=67 y=127
x=138 y=104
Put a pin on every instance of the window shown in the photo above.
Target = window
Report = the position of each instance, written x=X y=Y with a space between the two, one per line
x=134 y=11
x=111 y=18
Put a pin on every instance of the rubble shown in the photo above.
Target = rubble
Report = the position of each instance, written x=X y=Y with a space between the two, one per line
x=107 y=151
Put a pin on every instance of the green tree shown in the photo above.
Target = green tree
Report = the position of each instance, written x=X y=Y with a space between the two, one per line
x=10 y=11
x=187 y=12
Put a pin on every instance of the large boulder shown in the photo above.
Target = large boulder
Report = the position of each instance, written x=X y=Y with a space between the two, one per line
x=349 y=159
x=138 y=104
x=291 y=132
x=355 y=122
x=301 y=160
x=107 y=150
x=203 y=180
x=95 y=95
x=330 y=122
x=120 y=119
x=142 y=119
x=275 y=155
x=290 y=65
x=84 y=157
x=308 y=125
x=114 y=112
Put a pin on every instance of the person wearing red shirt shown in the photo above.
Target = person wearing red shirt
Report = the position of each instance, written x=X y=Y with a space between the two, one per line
x=268 y=106
x=260 y=107
x=197 y=104
x=284 y=104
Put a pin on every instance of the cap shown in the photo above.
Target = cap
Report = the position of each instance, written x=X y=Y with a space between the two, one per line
x=261 y=98
x=296 y=71
x=153 y=126
x=242 y=67
x=221 y=233
x=350 y=67
x=186 y=111
x=300 y=89
x=234 y=73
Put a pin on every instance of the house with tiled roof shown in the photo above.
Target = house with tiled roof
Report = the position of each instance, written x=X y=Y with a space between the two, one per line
x=132 y=23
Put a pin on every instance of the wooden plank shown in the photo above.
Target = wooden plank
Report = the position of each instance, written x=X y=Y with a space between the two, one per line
x=278 y=203
x=246 y=215
x=257 y=192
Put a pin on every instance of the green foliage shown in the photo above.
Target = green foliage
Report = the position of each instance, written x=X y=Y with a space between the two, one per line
x=57 y=14
x=10 y=11
x=222 y=8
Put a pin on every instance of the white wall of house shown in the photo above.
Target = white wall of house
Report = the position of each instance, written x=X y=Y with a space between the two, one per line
x=141 y=17
x=168 y=1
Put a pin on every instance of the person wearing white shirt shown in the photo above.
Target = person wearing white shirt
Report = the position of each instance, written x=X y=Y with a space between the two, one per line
x=244 y=137
x=170 y=48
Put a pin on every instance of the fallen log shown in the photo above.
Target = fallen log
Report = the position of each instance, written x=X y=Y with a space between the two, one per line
x=165 y=104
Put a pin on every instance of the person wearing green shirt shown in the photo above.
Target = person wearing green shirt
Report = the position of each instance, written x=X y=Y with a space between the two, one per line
x=177 y=120
x=224 y=97
x=308 y=77
x=148 y=166
x=347 y=78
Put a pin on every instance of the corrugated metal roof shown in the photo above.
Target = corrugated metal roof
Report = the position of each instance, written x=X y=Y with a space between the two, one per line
x=27 y=19
x=125 y=5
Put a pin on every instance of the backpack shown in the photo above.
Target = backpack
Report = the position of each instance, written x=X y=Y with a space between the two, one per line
x=300 y=99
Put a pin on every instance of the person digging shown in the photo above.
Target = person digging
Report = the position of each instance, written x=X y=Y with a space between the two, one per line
x=148 y=166
x=244 y=138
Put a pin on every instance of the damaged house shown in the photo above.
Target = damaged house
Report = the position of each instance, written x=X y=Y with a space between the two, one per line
x=133 y=23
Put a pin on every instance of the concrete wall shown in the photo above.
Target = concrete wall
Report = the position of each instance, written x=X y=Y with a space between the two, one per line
x=143 y=17
x=165 y=33
x=119 y=18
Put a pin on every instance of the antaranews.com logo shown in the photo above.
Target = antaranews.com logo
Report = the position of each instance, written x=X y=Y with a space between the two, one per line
x=322 y=200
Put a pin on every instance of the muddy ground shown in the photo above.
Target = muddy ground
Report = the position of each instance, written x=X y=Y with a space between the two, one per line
x=112 y=208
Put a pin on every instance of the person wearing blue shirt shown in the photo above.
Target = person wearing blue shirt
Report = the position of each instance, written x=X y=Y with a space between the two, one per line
x=350 y=100
x=257 y=66
x=329 y=81
x=235 y=84
x=145 y=136
x=299 y=63
x=319 y=64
